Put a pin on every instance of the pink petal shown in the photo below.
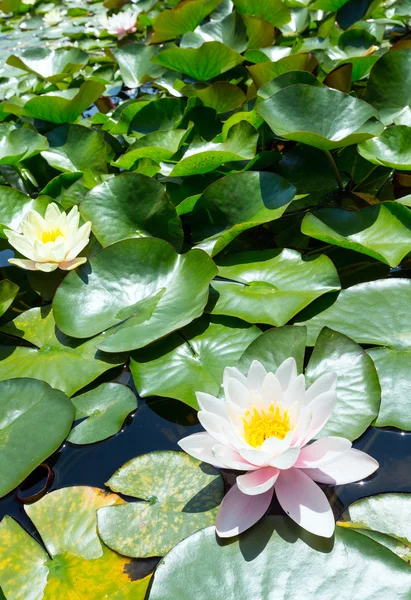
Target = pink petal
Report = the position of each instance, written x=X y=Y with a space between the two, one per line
x=287 y=459
x=352 y=466
x=200 y=446
x=305 y=502
x=323 y=384
x=239 y=511
x=322 y=452
x=69 y=265
x=271 y=390
x=321 y=409
x=257 y=482
x=231 y=459
x=286 y=372
x=214 y=425
x=211 y=404
x=256 y=376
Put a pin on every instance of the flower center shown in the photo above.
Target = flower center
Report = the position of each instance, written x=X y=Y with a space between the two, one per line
x=50 y=236
x=261 y=425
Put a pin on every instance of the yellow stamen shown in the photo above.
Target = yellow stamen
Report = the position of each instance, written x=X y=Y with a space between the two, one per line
x=51 y=236
x=261 y=425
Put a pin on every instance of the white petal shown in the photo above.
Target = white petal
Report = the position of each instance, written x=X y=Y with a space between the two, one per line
x=274 y=446
x=239 y=511
x=21 y=244
x=295 y=392
x=323 y=384
x=69 y=265
x=52 y=212
x=287 y=459
x=353 y=465
x=46 y=267
x=34 y=219
x=305 y=502
x=271 y=390
x=29 y=265
x=81 y=240
x=233 y=373
x=255 y=457
x=231 y=459
x=214 y=425
x=235 y=414
x=321 y=409
x=286 y=372
x=256 y=376
x=323 y=451
x=237 y=393
x=211 y=404
x=257 y=482
x=200 y=445
x=233 y=438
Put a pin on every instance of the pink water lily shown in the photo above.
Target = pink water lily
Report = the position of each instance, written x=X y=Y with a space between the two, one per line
x=122 y=23
x=266 y=426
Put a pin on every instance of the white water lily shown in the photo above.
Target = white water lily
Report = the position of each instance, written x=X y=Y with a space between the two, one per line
x=51 y=242
x=122 y=23
x=265 y=427
x=53 y=17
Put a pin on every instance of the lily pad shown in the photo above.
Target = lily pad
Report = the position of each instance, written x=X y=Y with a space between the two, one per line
x=266 y=71
x=131 y=206
x=159 y=146
x=221 y=213
x=391 y=149
x=181 y=496
x=8 y=292
x=170 y=24
x=77 y=564
x=273 y=11
x=271 y=286
x=364 y=566
x=158 y=290
x=191 y=360
x=135 y=64
x=63 y=363
x=18 y=144
x=14 y=206
x=375 y=312
x=358 y=388
x=102 y=411
x=222 y=96
x=34 y=420
x=52 y=65
x=293 y=113
x=382 y=231
x=204 y=63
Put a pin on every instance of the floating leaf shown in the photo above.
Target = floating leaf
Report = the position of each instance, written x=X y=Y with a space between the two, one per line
x=191 y=360
x=159 y=146
x=204 y=63
x=34 y=420
x=154 y=115
x=267 y=71
x=285 y=80
x=18 y=144
x=8 y=291
x=293 y=113
x=170 y=24
x=52 y=65
x=135 y=64
x=77 y=564
x=221 y=213
x=128 y=272
x=15 y=205
x=62 y=362
x=391 y=149
x=221 y=95
x=181 y=496
x=271 y=286
x=273 y=11
x=382 y=231
x=361 y=563
x=131 y=206
x=103 y=411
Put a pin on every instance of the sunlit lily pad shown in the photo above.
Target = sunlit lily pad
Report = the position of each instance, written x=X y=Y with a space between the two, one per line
x=170 y=24
x=52 y=65
x=78 y=565
x=391 y=149
x=181 y=495
x=14 y=206
x=159 y=146
x=135 y=64
x=18 y=144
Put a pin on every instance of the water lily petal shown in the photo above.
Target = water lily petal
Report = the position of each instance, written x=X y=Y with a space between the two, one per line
x=52 y=212
x=238 y=511
x=256 y=376
x=257 y=482
x=214 y=425
x=255 y=457
x=235 y=414
x=211 y=404
x=353 y=465
x=69 y=265
x=305 y=502
x=46 y=267
x=286 y=372
x=287 y=459
x=323 y=384
x=274 y=446
x=233 y=373
x=29 y=265
x=81 y=240
x=231 y=459
x=200 y=446
x=20 y=243
x=295 y=392
x=321 y=409
x=237 y=393
x=323 y=451
x=271 y=389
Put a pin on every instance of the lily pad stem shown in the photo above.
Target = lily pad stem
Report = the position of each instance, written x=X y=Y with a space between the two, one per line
x=335 y=169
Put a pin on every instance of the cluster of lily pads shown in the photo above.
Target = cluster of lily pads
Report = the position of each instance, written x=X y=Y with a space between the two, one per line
x=191 y=188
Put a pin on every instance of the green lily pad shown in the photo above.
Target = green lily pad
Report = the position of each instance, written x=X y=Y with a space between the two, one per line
x=77 y=565
x=285 y=80
x=232 y=31
x=394 y=372
x=375 y=312
x=382 y=231
x=358 y=388
x=181 y=496
x=383 y=518
x=103 y=410
x=8 y=292
x=161 y=290
x=14 y=206
x=293 y=113
x=63 y=363
x=273 y=11
x=18 y=144
x=271 y=286
x=204 y=63
x=170 y=24
x=266 y=71
x=191 y=360
x=52 y=65
x=131 y=206
x=389 y=87
x=134 y=61
x=149 y=116
x=203 y=157
x=76 y=148
x=221 y=95
x=391 y=149
x=159 y=146
x=34 y=420
x=364 y=566
x=221 y=213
